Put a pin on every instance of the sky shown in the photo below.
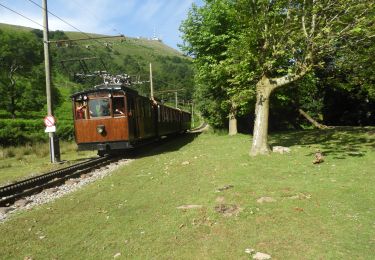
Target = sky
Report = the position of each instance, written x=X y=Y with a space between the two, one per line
x=133 y=18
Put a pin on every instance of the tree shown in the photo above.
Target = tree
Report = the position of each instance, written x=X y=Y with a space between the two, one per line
x=281 y=41
x=208 y=31
x=19 y=52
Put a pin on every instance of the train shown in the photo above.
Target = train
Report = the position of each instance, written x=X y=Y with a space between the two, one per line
x=113 y=117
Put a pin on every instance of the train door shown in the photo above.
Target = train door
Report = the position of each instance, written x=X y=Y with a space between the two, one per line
x=140 y=117
x=132 y=117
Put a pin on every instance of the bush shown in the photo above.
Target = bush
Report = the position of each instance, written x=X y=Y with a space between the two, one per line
x=23 y=131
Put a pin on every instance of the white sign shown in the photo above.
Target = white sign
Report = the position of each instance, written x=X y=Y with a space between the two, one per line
x=49 y=121
x=50 y=129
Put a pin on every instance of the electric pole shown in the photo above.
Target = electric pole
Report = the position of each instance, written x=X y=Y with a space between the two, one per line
x=192 y=113
x=151 y=83
x=54 y=144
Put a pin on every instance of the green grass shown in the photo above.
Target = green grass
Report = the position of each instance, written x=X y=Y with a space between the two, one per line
x=24 y=161
x=133 y=211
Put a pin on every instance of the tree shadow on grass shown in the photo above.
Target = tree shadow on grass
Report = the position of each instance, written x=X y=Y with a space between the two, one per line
x=339 y=142
x=167 y=145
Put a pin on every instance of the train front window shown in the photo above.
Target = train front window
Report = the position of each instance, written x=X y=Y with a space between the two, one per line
x=99 y=107
x=81 y=110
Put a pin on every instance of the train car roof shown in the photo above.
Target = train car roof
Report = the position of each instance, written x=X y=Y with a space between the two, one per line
x=117 y=87
x=106 y=88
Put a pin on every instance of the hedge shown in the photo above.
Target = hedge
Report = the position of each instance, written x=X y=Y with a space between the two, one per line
x=22 y=131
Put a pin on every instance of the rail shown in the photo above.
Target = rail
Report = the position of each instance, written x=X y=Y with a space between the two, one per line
x=10 y=193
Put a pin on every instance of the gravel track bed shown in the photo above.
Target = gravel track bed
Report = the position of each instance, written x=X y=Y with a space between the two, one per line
x=52 y=194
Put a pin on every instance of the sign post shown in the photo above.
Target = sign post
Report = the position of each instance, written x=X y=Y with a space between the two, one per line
x=49 y=122
x=53 y=140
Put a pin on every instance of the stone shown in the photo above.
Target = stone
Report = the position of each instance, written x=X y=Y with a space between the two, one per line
x=5 y=210
x=21 y=203
x=300 y=196
x=71 y=181
x=319 y=158
x=225 y=187
x=117 y=255
x=84 y=176
x=261 y=256
x=265 y=200
x=190 y=207
x=185 y=163
x=280 y=149
x=52 y=190
x=249 y=251
x=228 y=210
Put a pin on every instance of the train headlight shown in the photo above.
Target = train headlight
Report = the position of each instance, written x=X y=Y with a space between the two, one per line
x=100 y=129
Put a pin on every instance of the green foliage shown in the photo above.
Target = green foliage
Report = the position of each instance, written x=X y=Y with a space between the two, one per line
x=22 y=131
x=237 y=43
x=208 y=33
x=21 y=76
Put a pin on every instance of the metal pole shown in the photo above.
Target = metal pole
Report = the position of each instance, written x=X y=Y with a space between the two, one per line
x=192 y=113
x=48 y=76
x=151 y=83
x=176 y=98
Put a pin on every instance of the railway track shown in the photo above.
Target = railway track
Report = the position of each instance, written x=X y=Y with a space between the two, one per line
x=12 y=192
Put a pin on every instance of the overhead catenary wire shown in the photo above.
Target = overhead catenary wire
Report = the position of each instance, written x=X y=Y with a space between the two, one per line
x=24 y=16
x=89 y=37
x=93 y=15
x=31 y=1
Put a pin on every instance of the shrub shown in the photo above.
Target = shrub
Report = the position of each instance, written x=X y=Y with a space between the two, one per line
x=9 y=153
x=23 y=131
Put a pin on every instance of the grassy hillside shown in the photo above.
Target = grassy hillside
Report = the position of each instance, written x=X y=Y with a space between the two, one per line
x=171 y=70
x=140 y=44
x=132 y=56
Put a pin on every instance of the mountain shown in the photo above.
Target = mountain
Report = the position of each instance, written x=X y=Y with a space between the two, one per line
x=75 y=53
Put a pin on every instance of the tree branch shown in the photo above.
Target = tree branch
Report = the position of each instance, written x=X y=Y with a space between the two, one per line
x=285 y=80
x=312 y=121
x=312 y=29
x=303 y=21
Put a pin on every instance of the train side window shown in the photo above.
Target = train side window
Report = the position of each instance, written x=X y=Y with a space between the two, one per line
x=118 y=106
x=130 y=105
x=159 y=116
x=99 y=107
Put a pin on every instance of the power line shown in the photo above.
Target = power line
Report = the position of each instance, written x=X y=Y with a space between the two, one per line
x=87 y=35
x=61 y=19
x=31 y=20
x=92 y=14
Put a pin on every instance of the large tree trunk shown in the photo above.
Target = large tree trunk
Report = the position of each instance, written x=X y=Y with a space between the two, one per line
x=262 y=106
x=264 y=88
x=233 y=120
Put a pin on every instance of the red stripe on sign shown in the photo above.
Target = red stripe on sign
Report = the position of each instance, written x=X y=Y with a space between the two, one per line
x=49 y=121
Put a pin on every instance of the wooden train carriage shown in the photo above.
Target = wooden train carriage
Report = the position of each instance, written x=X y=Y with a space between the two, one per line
x=172 y=120
x=115 y=117
x=185 y=120
x=112 y=117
